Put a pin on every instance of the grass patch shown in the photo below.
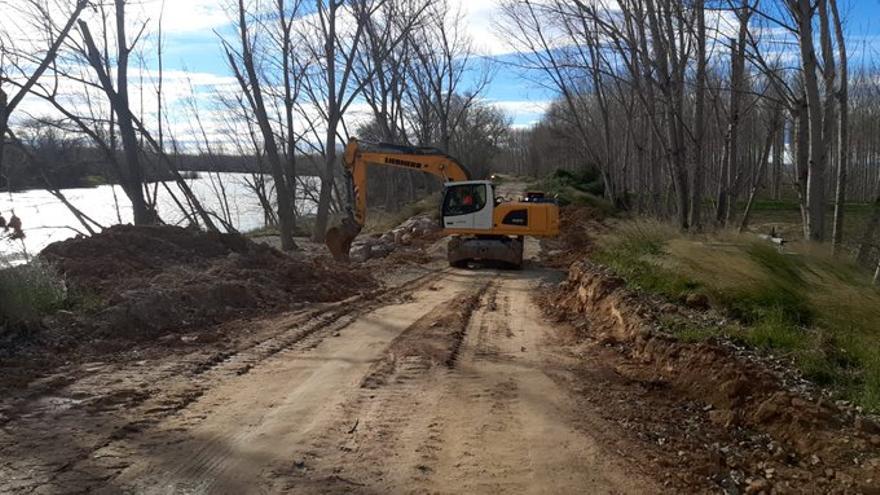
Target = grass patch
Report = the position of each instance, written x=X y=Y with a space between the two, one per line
x=687 y=331
x=783 y=217
x=635 y=252
x=774 y=330
x=29 y=292
x=264 y=231
x=820 y=311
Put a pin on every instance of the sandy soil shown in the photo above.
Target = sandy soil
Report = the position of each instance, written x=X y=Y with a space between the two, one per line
x=446 y=383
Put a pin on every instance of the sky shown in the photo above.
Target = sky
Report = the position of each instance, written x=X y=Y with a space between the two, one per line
x=194 y=48
x=194 y=58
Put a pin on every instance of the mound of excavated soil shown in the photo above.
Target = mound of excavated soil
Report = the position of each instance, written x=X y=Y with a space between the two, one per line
x=157 y=278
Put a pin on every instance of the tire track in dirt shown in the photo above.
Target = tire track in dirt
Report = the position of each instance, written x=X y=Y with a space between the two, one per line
x=362 y=448
x=240 y=433
x=495 y=422
x=108 y=404
x=509 y=429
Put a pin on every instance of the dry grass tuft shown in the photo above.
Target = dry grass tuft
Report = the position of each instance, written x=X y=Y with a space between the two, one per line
x=821 y=311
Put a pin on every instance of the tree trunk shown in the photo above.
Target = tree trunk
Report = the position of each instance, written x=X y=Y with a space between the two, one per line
x=842 y=132
x=762 y=166
x=877 y=274
x=327 y=178
x=285 y=216
x=731 y=165
x=290 y=163
x=131 y=176
x=696 y=221
x=815 y=227
x=778 y=161
x=801 y=139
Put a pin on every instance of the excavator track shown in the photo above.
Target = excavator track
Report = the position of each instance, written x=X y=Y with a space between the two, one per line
x=494 y=249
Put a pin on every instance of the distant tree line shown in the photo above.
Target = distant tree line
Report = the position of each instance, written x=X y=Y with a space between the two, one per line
x=73 y=161
x=690 y=109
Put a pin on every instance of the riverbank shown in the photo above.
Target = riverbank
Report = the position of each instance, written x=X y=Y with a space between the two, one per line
x=45 y=219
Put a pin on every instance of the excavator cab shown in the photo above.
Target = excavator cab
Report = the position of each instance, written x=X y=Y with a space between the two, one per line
x=468 y=205
x=486 y=228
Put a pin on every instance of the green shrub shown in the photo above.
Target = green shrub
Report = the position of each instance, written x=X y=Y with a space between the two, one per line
x=586 y=180
x=28 y=292
x=583 y=187
x=869 y=395
x=94 y=180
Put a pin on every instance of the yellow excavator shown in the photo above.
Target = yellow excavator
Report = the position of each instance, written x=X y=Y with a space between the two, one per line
x=483 y=227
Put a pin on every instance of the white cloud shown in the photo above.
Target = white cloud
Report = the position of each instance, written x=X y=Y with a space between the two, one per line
x=479 y=15
x=522 y=110
x=186 y=16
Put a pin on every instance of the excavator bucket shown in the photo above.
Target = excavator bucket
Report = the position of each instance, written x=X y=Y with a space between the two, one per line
x=339 y=238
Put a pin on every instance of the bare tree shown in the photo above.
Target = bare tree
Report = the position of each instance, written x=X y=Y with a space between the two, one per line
x=843 y=143
x=803 y=12
x=56 y=40
x=336 y=38
x=443 y=56
x=245 y=69
x=774 y=119
x=382 y=68
x=731 y=165
x=291 y=76
x=330 y=87
x=696 y=221
x=131 y=177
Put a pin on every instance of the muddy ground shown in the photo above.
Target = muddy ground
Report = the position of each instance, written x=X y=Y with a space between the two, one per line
x=134 y=291
x=426 y=379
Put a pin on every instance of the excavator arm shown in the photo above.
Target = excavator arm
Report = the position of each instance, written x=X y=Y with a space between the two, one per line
x=358 y=155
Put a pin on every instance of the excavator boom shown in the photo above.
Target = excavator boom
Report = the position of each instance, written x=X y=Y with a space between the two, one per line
x=357 y=156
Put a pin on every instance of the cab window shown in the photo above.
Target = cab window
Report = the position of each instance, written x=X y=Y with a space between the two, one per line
x=464 y=199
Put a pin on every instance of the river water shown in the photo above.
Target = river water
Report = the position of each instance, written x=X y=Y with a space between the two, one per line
x=45 y=219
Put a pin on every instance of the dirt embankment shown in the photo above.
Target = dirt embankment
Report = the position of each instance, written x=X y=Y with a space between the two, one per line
x=149 y=280
x=815 y=446
x=578 y=226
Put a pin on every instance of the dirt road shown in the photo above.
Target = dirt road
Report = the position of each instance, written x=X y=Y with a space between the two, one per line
x=447 y=384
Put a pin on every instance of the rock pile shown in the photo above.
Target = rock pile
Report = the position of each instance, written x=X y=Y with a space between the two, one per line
x=404 y=234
